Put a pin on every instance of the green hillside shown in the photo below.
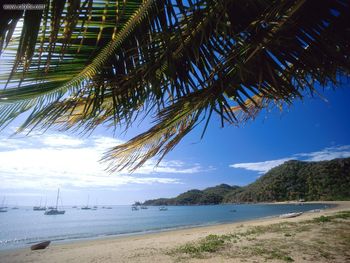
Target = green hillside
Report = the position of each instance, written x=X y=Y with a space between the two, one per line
x=293 y=180
x=326 y=180
x=211 y=195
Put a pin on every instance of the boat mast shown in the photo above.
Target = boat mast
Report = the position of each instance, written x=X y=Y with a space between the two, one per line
x=58 y=194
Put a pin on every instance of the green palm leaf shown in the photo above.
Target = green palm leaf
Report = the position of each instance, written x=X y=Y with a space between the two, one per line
x=99 y=62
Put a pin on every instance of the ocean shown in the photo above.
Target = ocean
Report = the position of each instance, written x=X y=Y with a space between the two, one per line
x=23 y=227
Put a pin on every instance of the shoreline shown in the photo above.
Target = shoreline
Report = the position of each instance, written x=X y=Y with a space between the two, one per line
x=127 y=248
x=92 y=238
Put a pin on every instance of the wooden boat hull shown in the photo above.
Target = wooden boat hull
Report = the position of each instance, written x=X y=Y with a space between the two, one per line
x=41 y=245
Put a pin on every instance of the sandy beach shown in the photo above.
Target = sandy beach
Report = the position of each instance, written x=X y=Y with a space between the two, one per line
x=163 y=247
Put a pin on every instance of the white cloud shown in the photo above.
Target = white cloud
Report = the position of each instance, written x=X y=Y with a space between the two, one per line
x=323 y=155
x=260 y=167
x=326 y=154
x=52 y=160
x=102 y=142
x=169 y=167
x=61 y=140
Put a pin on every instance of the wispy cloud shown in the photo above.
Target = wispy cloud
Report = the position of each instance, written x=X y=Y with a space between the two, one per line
x=322 y=155
x=260 y=167
x=326 y=154
x=52 y=160
x=61 y=140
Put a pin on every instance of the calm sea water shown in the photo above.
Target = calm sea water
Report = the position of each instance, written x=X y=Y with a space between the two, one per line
x=22 y=227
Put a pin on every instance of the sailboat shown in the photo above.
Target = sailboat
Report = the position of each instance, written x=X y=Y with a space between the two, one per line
x=15 y=207
x=87 y=206
x=3 y=207
x=95 y=206
x=55 y=211
x=39 y=208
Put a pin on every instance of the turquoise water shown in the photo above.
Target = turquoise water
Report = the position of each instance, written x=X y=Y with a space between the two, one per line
x=22 y=227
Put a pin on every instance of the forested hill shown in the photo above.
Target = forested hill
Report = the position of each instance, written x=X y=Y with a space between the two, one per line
x=211 y=195
x=293 y=180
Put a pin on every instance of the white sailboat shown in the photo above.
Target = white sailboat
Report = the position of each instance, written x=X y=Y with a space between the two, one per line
x=87 y=206
x=55 y=211
x=95 y=206
x=163 y=208
x=3 y=208
x=39 y=208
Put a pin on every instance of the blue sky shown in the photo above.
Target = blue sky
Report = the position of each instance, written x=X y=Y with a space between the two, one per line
x=32 y=167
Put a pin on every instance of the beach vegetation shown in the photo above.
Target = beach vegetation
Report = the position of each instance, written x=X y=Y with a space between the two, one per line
x=77 y=65
x=322 y=219
x=273 y=252
x=339 y=215
x=209 y=244
x=329 y=241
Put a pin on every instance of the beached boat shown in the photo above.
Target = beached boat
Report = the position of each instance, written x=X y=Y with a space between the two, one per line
x=55 y=211
x=41 y=245
x=290 y=215
x=315 y=211
x=163 y=208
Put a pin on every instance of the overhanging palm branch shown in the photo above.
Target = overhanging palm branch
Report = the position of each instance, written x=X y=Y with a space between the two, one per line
x=87 y=63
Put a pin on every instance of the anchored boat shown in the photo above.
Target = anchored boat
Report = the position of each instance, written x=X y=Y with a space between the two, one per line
x=55 y=211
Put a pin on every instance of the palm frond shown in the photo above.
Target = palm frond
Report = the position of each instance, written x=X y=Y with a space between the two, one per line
x=45 y=89
x=179 y=61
